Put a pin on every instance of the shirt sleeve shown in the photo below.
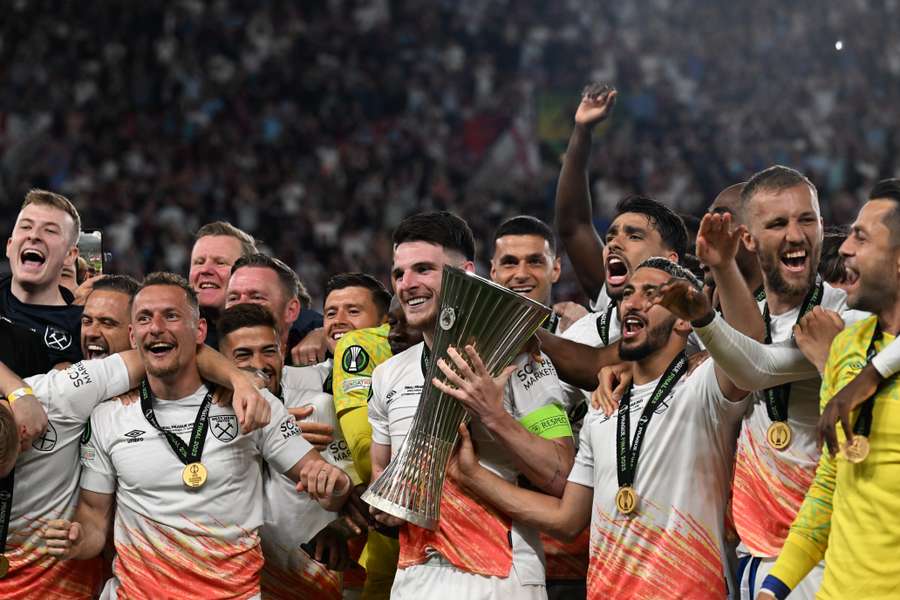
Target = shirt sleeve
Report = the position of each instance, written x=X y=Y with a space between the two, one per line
x=887 y=362
x=280 y=442
x=98 y=473
x=751 y=365
x=358 y=434
x=582 y=471
x=75 y=391
x=378 y=414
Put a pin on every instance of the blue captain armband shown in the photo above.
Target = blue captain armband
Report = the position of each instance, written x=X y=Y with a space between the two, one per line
x=776 y=587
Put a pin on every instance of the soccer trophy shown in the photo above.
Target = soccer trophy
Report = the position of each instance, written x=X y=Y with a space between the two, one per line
x=497 y=322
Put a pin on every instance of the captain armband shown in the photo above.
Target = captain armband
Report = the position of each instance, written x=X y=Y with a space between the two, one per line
x=549 y=422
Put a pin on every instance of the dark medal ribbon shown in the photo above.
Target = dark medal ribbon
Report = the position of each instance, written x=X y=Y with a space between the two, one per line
x=6 y=500
x=604 y=320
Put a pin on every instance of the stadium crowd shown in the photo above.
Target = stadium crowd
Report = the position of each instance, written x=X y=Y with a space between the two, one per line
x=719 y=420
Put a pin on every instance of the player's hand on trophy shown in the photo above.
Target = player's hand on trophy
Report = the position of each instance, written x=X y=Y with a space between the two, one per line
x=311 y=350
x=597 y=101
x=472 y=384
x=325 y=483
x=849 y=398
x=317 y=434
x=62 y=538
x=568 y=312
x=613 y=382
x=814 y=334
x=683 y=300
x=464 y=466
x=384 y=519
x=31 y=419
x=718 y=240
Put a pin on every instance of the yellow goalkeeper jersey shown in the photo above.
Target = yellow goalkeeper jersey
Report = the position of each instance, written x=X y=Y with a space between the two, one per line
x=850 y=514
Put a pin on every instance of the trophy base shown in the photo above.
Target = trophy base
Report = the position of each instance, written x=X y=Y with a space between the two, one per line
x=401 y=512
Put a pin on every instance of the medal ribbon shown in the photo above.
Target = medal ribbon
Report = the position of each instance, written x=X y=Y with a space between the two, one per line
x=426 y=360
x=777 y=397
x=193 y=450
x=627 y=459
x=863 y=425
x=603 y=322
x=6 y=500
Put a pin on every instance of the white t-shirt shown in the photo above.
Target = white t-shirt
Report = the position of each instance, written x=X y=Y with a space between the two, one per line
x=175 y=542
x=396 y=389
x=673 y=545
x=292 y=519
x=770 y=484
x=46 y=478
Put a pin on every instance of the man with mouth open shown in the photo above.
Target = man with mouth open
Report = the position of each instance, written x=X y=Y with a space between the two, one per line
x=107 y=316
x=655 y=532
x=186 y=478
x=476 y=551
x=44 y=237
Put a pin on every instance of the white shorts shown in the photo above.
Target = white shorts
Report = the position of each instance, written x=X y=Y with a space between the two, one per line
x=752 y=571
x=437 y=579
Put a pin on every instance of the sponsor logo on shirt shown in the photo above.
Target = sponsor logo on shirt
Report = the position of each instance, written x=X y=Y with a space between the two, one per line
x=135 y=435
x=355 y=359
x=531 y=373
x=339 y=451
x=47 y=442
x=224 y=427
x=57 y=339
x=356 y=383
x=78 y=375
x=289 y=429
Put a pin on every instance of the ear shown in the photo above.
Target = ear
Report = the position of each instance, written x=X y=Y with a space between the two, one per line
x=200 y=336
x=682 y=327
x=493 y=271
x=673 y=256
x=131 y=336
x=291 y=311
x=749 y=242
x=9 y=248
x=468 y=266
x=557 y=269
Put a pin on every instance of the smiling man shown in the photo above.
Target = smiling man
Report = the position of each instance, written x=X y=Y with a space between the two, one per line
x=217 y=246
x=107 y=316
x=475 y=552
x=44 y=237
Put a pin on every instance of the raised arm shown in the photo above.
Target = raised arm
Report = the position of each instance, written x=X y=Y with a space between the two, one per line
x=574 y=217
x=717 y=246
x=577 y=364
x=85 y=535
x=251 y=409
x=30 y=416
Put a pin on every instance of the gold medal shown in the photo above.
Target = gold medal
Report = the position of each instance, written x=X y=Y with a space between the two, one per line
x=779 y=435
x=857 y=450
x=626 y=500
x=4 y=566
x=194 y=475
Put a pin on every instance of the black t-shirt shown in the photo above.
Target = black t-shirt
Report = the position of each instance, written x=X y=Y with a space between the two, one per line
x=59 y=327
x=22 y=350
x=212 y=334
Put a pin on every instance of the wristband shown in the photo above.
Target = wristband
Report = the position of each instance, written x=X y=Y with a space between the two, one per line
x=704 y=320
x=16 y=394
x=776 y=587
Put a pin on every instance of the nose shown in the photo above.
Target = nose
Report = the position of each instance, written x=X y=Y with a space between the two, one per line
x=89 y=331
x=615 y=243
x=157 y=324
x=406 y=281
x=794 y=233
x=848 y=247
x=521 y=271
x=256 y=361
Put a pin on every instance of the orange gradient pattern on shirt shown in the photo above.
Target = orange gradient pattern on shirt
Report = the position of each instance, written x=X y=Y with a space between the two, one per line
x=315 y=581
x=767 y=492
x=173 y=564
x=471 y=536
x=567 y=560
x=635 y=559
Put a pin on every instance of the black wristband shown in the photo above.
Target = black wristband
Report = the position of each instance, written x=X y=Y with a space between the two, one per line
x=704 y=320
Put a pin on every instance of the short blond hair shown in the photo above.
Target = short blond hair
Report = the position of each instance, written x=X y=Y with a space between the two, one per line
x=58 y=201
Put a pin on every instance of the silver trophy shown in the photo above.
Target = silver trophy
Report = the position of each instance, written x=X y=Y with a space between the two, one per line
x=497 y=322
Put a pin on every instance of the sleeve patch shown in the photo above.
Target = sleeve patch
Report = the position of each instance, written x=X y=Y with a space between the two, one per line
x=356 y=383
x=355 y=359
x=548 y=422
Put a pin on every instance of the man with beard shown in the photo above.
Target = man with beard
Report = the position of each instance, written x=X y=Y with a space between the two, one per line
x=249 y=338
x=655 y=532
x=43 y=238
x=849 y=515
x=186 y=512
x=777 y=451
x=217 y=246
x=475 y=551
x=525 y=261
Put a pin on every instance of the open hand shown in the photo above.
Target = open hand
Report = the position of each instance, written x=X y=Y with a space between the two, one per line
x=597 y=101
x=474 y=386
x=717 y=240
x=683 y=300
x=613 y=383
x=839 y=408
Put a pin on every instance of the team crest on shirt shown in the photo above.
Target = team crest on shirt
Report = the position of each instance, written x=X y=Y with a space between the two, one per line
x=224 y=427
x=57 y=339
x=47 y=442
x=355 y=359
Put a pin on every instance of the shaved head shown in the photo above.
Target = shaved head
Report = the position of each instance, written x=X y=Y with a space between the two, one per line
x=729 y=201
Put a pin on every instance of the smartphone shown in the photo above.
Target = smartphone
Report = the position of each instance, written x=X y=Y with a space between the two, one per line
x=90 y=247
